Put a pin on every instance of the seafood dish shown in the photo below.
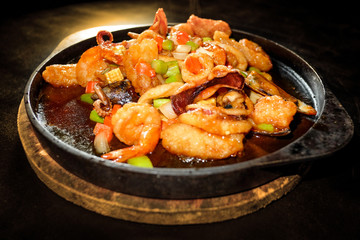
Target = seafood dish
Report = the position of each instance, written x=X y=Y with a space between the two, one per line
x=188 y=90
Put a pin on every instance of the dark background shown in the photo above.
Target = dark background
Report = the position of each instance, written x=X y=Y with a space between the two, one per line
x=325 y=205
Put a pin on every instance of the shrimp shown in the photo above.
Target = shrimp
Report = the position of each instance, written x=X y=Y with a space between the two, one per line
x=212 y=120
x=184 y=27
x=218 y=53
x=255 y=55
x=197 y=67
x=61 y=75
x=160 y=23
x=95 y=60
x=90 y=66
x=223 y=37
x=138 y=125
x=148 y=34
x=219 y=71
x=203 y=27
x=183 y=139
x=274 y=110
x=160 y=91
x=145 y=51
x=234 y=56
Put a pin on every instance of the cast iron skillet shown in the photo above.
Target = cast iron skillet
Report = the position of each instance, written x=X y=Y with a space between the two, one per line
x=331 y=131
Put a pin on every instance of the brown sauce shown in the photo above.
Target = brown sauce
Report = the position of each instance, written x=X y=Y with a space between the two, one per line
x=68 y=118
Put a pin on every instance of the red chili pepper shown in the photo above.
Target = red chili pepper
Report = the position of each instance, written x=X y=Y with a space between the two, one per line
x=107 y=119
x=90 y=86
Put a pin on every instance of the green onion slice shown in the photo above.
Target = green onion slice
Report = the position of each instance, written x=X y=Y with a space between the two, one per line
x=142 y=161
x=95 y=117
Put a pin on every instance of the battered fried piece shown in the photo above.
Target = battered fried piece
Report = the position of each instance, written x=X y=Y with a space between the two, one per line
x=214 y=121
x=61 y=75
x=146 y=51
x=203 y=27
x=160 y=91
x=183 y=139
x=274 y=110
x=160 y=24
x=255 y=55
x=234 y=56
x=138 y=125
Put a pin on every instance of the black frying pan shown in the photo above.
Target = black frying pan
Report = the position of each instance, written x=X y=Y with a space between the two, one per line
x=332 y=129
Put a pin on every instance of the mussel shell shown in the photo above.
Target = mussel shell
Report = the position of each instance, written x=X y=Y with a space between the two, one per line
x=119 y=93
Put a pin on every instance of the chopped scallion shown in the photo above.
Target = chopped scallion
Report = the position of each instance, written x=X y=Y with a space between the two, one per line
x=174 y=78
x=206 y=39
x=142 y=161
x=173 y=68
x=168 y=45
x=160 y=101
x=95 y=117
x=193 y=45
x=86 y=97
x=159 y=66
x=266 y=127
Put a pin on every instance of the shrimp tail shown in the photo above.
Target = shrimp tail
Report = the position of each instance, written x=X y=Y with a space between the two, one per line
x=160 y=23
x=123 y=154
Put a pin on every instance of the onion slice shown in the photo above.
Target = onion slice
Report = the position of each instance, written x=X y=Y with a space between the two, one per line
x=183 y=49
x=168 y=111
x=180 y=55
x=101 y=144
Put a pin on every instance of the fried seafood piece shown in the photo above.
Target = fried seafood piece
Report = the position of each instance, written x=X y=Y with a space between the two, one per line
x=274 y=110
x=160 y=91
x=254 y=54
x=90 y=66
x=213 y=120
x=61 y=75
x=196 y=69
x=141 y=52
x=234 y=56
x=184 y=27
x=183 y=139
x=203 y=27
x=137 y=125
x=95 y=60
x=160 y=23
x=218 y=53
x=261 y=85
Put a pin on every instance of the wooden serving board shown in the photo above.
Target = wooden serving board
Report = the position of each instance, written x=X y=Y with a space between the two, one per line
x=141 y=209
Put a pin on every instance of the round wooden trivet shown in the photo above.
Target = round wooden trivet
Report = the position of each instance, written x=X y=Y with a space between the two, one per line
x=141 y=209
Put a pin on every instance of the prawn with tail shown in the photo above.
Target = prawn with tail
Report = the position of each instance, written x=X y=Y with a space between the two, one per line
x=250 y=51
x=137 y=125
x=90 y=66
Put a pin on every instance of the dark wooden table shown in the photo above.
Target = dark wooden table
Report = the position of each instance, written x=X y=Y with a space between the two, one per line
x=325 y=205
